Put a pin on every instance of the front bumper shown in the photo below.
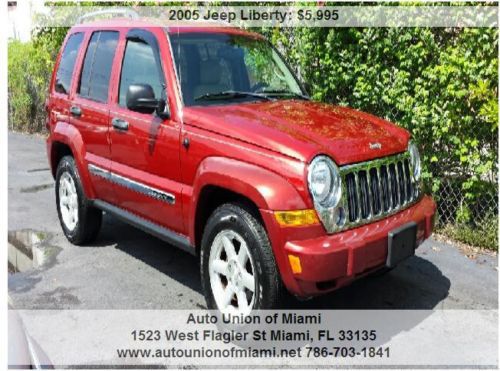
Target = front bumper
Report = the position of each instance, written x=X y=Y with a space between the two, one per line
x=332 y=261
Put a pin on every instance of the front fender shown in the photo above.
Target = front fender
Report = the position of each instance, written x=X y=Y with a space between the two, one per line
x=266 y=189
x=69 y=135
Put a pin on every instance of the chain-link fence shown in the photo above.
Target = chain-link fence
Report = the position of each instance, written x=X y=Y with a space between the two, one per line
x=472 y=220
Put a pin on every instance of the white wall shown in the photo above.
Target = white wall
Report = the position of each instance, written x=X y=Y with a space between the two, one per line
x=20 y=18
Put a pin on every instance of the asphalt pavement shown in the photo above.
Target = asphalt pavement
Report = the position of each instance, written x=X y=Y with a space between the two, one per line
x=127 y=269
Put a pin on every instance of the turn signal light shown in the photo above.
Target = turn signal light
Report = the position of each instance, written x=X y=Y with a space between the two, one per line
x=295 y=264
x=297 y=218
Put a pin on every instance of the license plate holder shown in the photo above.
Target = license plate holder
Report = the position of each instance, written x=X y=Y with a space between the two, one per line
x=401 y=244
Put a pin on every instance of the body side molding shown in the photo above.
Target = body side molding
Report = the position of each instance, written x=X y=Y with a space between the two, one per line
x=132 y=184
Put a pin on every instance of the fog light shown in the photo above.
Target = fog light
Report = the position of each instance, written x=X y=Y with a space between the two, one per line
x=295 y=264
x=296 y=218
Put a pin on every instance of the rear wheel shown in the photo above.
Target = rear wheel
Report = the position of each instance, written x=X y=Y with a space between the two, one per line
x=80 y=221
x=238 y=269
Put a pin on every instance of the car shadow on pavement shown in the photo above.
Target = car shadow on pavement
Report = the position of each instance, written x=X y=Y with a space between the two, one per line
x=414 y=284
x=169 y=260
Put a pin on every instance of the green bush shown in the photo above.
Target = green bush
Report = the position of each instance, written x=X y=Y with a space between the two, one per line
x=29 y=72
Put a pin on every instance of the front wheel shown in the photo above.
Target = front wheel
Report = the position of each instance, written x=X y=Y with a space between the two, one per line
x=238 y=269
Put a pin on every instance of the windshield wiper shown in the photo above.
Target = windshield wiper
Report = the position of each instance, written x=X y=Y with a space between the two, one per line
x=285 y=93
x=230 y=94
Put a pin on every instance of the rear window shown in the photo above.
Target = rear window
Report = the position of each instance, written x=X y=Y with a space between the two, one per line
x=94 y=79
x=67 y=63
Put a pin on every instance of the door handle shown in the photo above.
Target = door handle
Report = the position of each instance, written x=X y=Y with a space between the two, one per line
x=75 y=111
x=119 y=124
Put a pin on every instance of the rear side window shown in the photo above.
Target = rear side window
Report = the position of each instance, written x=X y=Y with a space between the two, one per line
x=67 y=63
x=94 y=80
x=139 y=67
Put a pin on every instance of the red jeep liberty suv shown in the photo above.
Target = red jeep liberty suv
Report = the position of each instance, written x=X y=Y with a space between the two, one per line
x=203 y=137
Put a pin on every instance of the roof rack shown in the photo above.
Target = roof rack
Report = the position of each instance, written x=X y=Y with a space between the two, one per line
x=122 y=11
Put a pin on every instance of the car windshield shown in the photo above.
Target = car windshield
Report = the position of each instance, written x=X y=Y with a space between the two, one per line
x=218 y=68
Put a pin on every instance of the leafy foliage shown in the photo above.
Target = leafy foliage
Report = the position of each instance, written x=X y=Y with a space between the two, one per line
x=29 y=71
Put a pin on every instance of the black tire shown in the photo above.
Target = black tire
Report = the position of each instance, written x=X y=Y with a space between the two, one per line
x=269 y=289
x=89 y=218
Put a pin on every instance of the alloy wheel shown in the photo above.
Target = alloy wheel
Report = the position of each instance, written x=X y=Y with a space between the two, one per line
x=232 y=273
x=68 y=201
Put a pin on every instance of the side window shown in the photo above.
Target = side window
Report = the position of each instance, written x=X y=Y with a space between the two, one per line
x=94 y=79
x=67 y=63
x=139 y=67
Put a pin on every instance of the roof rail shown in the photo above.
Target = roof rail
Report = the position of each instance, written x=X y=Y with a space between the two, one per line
x=123 y=11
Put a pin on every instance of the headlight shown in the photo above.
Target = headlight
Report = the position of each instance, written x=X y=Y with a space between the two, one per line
x=324 y=181
x=415 y=160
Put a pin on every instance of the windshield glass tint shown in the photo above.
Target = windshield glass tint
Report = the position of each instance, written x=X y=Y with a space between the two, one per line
x=211 y=63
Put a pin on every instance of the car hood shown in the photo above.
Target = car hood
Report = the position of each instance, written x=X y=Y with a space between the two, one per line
x=303 y=129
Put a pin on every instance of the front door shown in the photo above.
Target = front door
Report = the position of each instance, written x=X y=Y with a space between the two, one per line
x=144 y=147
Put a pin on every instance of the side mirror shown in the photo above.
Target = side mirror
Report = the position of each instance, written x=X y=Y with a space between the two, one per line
x=141 y=98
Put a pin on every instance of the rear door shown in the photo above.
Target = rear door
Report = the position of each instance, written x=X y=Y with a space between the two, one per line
x=144 y=147
x=90 y=107
x=59 y=101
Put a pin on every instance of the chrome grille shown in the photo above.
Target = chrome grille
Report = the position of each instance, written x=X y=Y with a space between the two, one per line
x=375 y=189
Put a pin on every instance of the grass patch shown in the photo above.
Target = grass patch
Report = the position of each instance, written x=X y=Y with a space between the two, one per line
x=483 y=234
